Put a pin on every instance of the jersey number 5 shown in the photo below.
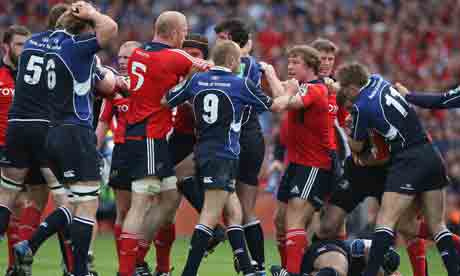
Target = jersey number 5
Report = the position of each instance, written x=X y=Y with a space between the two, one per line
x=210 y=108
x=34 y=66
x=138 y=69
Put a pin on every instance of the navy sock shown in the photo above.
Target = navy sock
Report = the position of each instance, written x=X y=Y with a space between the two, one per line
x=236 y=238
x=448 y=252
x=198 y=245
x=383 y=239
x=80 y=232
x=56 y=221
x=5 y=214
x=255 y=240
x=193 y=192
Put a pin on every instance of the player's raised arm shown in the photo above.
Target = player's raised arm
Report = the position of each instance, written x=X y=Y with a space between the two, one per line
x=179 y=94
x=306 y=95
x=449 y=99
x=105 y=27
x=276 y=85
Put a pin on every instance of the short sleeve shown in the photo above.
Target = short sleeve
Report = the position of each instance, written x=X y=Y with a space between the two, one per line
x=181 y=92
x=106 y=111
x=360 y=124
x=310 y=93
x=256 y=97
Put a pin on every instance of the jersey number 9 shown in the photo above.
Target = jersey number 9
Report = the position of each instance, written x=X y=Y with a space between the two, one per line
x=210 y=108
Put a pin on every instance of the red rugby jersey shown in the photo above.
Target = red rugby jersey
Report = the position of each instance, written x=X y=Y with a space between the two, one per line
x=183 y=120
x=154 y=70
x=380 y=149
x=308 y=129
x=113 y=112
x=333 y=109
x=7 y=81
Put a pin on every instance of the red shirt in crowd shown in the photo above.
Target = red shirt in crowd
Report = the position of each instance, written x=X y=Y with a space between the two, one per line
x=7 y=80
x=154 y=70
x=308 y=129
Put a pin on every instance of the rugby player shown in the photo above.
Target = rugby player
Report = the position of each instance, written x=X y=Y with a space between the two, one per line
x=153 y=70
x=416 y=168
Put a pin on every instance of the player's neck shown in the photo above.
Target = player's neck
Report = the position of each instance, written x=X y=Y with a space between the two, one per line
x=159 y=39
x=7 y=61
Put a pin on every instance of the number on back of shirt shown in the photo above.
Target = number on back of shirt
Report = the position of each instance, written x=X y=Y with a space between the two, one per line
x=34 y=70
x=210 y=108
x=138 y=69
x=397 y=101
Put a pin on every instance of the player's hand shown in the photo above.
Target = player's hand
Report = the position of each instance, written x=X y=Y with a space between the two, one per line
x=83 y=10
x=291 y=86
x=332 y=85
x=276 y=165
x=402 y=89
x=247 y=48
x=122 y=85
x=268 y=69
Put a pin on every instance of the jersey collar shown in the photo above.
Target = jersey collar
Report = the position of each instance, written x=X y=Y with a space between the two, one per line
x=155 y=46
x=221 y=68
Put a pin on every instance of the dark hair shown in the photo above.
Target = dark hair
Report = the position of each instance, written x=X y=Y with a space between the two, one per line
x=14 y=30
x=236 y=28
x=325 y=45
x=352 y=74
x=197 y=41
x=309 y=55
x=54 y=14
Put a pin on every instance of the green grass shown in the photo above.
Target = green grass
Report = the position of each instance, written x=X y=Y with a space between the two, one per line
x=47 y=262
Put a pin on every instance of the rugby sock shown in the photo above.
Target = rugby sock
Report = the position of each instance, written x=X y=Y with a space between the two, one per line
x=296 y=241
x=417 y=255
x=65 y=244
x=163 y=244
x=423 y=231
x=117 y=233
x=5 y=214
x=29 y=221
x=198 y=245
x=446 y=248
x=255 y=240
x=129 y=246
x=456 y=240
x=13 y=237
x=56 y=221
x=235 y=236
x=81 y=231
x=281 y=243
x=383 y=239
x=192 y=192
x=144 y=247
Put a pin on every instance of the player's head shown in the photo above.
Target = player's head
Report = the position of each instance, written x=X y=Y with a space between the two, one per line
x=352 y=76
x=196 y=45
x=125 y=51
x=72 y=24
x=227 y=54
x=344 y=102
x=54 y=14
x=327 y=52
x=13 y=42
x=171 y=26
x=303 y=63
x=233 y=29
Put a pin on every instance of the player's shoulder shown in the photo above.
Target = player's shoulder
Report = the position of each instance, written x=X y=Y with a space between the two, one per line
x=83 y=37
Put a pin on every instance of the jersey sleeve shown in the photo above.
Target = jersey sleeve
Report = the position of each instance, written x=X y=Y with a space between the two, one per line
x=85 y=45
x=310 y=93
x=106 y=111
x=181 y=92
x=185 y=62
x=451 y=99
x=255 y=97
x=360 y=124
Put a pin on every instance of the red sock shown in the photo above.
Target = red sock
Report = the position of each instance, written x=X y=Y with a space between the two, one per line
x=423 y=231
x=342 y=236
x=66 y=250
x=281 y=242
x=129 y=246
x=417 y=254
x=13 y=237
x=163 y=244
x=456 y=240
x=29 y=221
x=296 y=241
x=116 y=234
x=144 y=247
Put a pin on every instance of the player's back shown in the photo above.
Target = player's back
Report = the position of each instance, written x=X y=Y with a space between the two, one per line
x=71 y=87
x=308 y=128
x=154 y=69
x=392 y=116
x=31 y=96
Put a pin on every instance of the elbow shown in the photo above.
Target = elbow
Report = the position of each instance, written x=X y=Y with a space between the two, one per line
x=164 y=102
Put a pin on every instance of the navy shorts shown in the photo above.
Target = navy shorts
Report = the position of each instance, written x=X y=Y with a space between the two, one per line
x=308 y=183
x=252 y=152
x=416 y=170
x=26 y=145
x=181 y=145
x=217 y=173
x=120 y=178
x=360 y=183
x=73 y=154
x=33 y=178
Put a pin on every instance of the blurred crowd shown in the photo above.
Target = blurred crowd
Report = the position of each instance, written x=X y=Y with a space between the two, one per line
x=411 y=41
